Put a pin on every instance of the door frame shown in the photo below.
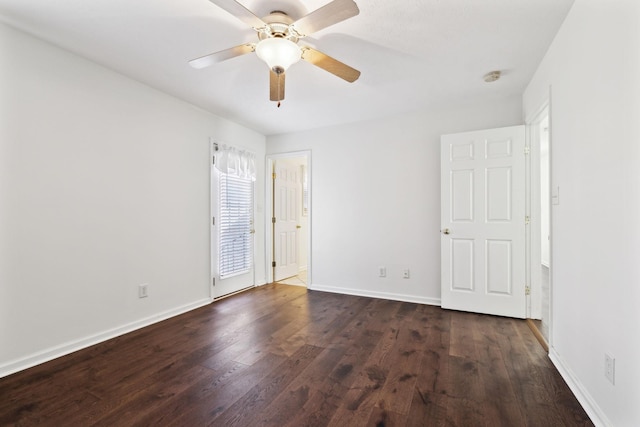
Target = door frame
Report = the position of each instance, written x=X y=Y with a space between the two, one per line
x=534 y=257
x=214 y=212
x=268 y=212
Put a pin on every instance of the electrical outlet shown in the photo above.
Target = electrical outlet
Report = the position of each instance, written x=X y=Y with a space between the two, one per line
x=382 y=271
x=143 y=290
x=610 y=368
x=406 y=273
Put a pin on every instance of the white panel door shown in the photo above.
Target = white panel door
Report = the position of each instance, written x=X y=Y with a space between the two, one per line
x=286 y=205
x=483 y=221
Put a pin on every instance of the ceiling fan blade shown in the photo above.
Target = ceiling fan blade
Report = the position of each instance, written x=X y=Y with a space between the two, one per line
x=329 y=14
x=223 y=55
x=240 y=12
x=276 y=86
x=330 y=64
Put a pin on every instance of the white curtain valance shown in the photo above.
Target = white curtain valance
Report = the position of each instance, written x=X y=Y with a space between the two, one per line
x=235 y=162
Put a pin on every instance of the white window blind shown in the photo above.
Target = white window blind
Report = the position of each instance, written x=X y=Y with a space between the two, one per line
x=235 y=226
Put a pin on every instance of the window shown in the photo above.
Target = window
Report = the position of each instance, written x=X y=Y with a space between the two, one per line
x=235 y=225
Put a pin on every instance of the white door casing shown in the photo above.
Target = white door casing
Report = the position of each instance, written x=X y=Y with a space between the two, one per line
x=286 y=204
x=483 y=221
x=538 y=127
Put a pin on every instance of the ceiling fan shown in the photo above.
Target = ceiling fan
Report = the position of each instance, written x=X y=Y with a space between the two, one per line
x=278 y=36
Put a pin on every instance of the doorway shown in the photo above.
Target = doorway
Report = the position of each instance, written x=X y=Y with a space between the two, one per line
x=289 y=213
x=540 y=211
x=232 y=209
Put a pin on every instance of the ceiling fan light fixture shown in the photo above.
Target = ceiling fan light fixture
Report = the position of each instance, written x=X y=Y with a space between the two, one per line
x=279 y=53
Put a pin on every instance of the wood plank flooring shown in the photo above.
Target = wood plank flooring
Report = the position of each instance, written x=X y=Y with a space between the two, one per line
x=280 y=355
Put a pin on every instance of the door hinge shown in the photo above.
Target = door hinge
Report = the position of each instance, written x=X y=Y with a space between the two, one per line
x=273 y=263
x=273 y=175
x=213 y=160
x=527 y=220
x=273 y=219
x=213 y=281
x=213 y=220
x=527 y=290
x=527 y=150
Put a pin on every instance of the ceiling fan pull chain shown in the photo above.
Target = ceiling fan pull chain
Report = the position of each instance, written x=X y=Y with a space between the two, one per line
x=279 y=80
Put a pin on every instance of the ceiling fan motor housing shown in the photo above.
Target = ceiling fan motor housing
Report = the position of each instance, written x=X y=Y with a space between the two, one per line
x=278 y=25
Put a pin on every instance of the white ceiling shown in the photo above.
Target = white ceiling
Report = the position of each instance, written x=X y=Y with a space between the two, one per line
x=413 y=54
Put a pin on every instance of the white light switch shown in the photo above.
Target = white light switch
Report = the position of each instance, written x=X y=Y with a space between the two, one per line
x=382 y=271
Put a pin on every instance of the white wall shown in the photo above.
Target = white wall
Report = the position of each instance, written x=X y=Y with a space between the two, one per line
x=376 y=198
x=593 y=69
x=104 y=185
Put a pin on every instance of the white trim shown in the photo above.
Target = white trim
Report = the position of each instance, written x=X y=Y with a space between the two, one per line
x=533 y=211
x=213 y=213
x=374 y=294
x=73 y=346
x=589 y=405
x=532 y=311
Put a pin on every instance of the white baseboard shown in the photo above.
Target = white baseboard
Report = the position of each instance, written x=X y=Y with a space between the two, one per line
x=592 y=409
x=374 y=294
x=67 y=348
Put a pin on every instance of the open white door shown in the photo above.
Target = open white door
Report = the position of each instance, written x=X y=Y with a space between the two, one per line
x=286 y=204
x=483 y=221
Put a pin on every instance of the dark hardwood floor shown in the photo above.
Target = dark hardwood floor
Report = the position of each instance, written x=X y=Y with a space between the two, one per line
x=281 y=355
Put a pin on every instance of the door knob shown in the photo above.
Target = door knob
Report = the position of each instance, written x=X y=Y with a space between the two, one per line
x=446 y=231
x=298 y=226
